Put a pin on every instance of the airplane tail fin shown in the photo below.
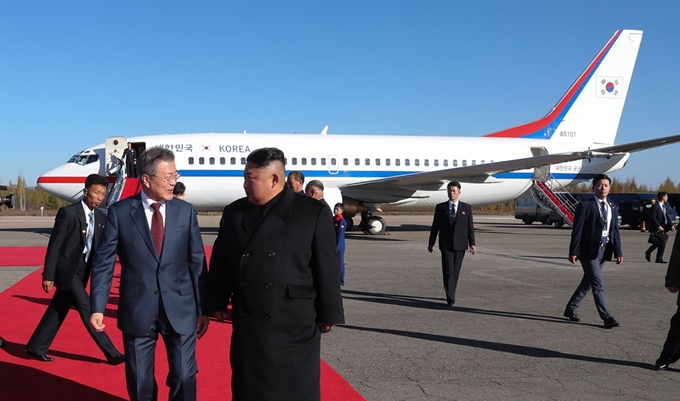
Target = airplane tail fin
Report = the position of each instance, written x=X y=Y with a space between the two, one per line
x=591 y=109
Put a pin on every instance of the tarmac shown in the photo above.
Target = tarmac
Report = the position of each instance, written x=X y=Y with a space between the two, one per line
x=505 y=339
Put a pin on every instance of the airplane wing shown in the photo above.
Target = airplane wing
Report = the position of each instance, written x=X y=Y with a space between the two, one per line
x=401 y=187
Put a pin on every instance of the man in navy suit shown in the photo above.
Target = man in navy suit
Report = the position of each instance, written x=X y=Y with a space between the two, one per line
x=161 y=253
x=660 y=223
x=594 y=238
x=77 y=229
x=671 y=348
x=453 y=222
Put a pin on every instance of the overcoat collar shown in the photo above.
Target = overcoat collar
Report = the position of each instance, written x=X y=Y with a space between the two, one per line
x=255 y=227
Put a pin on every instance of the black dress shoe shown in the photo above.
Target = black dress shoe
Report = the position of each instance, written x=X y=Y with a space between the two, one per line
x=571 y=315
x=648 y=256
x=449 y=304
x=660 y=366
x=41 y=358
x=661 y=261
x=611 y=322
x=116 y=360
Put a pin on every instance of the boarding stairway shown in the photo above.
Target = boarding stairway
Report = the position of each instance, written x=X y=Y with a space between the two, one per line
x=123 y=187
x=548 y=193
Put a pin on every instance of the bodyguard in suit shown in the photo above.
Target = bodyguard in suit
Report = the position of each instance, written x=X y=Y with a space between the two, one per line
x=671 y=348
x=161 y=254
x=275 y=258
x=594 y=238
x=453 y=222
x=68 y=262
x=659 y=222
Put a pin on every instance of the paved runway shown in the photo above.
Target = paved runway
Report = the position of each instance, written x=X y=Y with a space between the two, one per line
x=505 y=339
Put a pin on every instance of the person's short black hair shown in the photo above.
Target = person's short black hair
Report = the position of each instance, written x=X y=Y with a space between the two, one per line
x=661 y=194
x=95 y=179
x=453 y=184
x=179 y=188
x=315 y=184
x=297 y=176
x=263 y=157
x=601 y=177
x=340 y=205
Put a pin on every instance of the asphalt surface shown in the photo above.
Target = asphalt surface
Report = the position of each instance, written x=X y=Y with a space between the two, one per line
x=505 y=339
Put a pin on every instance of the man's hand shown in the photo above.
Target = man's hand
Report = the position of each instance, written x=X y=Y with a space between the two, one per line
x=673 y=289
x=220 y=316
x=429 y=248
x=202 y=326
x=573 y=259
x=619 y=260
x=473 y=249
x=47 y=285
x=325 y=327
x=97 y=321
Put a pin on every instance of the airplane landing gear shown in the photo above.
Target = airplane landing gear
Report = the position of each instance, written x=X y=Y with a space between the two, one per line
x=373 y=225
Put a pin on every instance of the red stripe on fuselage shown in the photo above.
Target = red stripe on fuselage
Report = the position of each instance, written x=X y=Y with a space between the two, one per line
x=67 y=180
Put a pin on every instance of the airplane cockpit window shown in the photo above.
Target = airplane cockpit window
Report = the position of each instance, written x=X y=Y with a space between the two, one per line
x=78 y=159
x=92 y=159
x=73 y=159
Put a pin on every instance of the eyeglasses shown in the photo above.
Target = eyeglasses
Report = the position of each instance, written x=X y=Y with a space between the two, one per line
x=169 y=178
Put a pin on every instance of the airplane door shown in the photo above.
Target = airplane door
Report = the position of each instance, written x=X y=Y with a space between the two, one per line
x=541 y=173
x=113 y=154
x=333 y=164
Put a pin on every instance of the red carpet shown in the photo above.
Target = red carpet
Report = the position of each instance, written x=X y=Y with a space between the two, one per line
x=80 y=372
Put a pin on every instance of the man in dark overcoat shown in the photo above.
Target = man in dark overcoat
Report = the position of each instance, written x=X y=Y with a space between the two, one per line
x=671 y=348
x=275 y=258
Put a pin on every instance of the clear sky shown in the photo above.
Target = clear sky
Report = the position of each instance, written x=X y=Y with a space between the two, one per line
x=74 y=72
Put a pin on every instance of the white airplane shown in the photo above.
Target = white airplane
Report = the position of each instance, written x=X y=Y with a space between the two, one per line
x=574 y=142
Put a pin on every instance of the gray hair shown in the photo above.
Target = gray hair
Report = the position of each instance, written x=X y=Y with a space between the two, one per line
x=148 y=161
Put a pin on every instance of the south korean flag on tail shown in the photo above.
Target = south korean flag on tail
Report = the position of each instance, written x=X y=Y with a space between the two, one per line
x=611 y=87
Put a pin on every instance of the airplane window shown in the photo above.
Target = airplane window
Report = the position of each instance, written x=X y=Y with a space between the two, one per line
x=304 y=161
x=397 y=162
x=436 y=162
x=191 y=160
x=243 y=161
x=368 y=161
x=427 y=162
x=387 y=162
x=474 y=162
x=295 y=161
x=446 y=162
x=455 y=163
x=232 y=161
x=416 y=162
x=82 y=160
x=377 y=162
x=482 y=162
x=73 y=159
x=223 y=160
x=92 y=159
x=357 y=162
x=345 y=161
x=201 y=160
x=333 y=161
x=464 y=163
x=313 y=161
x=212 y=160
x=407 y=162
x=323 y=161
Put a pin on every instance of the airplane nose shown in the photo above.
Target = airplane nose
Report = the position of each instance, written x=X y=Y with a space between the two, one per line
x=63 y=182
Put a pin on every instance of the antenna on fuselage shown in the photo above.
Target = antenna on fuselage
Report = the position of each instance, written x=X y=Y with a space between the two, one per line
x=324 y=131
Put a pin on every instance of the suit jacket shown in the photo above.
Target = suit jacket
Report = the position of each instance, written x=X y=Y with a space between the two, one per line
x=586 y=235
x=673 y=273
x=282 y=274
x=656 y=219
x=457 y=237
x=178 y=277
x=130 y=155
x=68 y=239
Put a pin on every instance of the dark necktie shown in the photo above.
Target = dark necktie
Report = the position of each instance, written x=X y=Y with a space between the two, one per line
x=157 y=231
x=605 y=238
x=665 y=216
x=452 y=213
